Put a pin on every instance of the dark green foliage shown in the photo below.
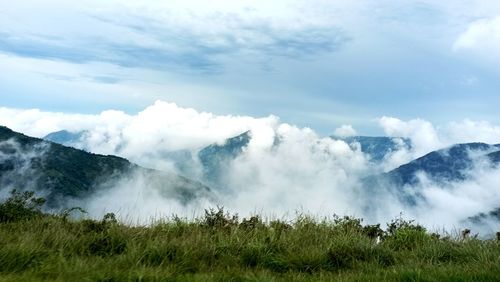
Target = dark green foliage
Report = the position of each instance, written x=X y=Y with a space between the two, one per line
x=437 y=252
x=66 y=213
x=159 y=255
x=64 y=172
x=106 y=244
x=218 y=219
x=373 y=231
x=17 y=260
x=403 y=234
x=20 y=206
x=67 y=171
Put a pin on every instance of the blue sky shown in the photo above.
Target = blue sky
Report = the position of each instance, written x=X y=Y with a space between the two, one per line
x=313 y=63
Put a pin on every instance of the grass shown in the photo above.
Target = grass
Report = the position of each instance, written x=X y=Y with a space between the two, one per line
x=220 y=247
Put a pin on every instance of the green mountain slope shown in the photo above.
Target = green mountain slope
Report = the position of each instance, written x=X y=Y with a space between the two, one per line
x=61 y=172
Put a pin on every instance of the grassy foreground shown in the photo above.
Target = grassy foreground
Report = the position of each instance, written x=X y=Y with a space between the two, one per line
x=38 y=247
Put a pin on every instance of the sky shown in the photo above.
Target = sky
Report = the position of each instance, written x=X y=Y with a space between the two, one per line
x=316 y=63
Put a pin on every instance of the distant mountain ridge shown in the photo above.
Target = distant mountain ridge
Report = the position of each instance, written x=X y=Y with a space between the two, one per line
x=63 y=172
x=441 y=167
x=449 y=165
x=65 y=137
x=378 y=147
x=216 y=158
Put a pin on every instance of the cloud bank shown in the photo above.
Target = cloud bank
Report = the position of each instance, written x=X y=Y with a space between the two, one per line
x=284 y=168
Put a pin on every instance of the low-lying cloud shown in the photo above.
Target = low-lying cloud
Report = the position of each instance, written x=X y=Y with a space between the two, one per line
x=283 y=169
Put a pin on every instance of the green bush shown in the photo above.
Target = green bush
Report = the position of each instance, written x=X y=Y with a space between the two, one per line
x=20 y=206
x=402 y=234
x=217 y=219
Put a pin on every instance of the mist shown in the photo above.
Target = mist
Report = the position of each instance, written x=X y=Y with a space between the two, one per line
x=284 y=169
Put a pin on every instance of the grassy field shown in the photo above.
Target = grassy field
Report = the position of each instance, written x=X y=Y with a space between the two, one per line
x=220 y=247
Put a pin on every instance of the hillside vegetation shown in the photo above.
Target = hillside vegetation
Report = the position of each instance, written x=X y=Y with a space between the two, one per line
x=64 y=174
x=219 y=247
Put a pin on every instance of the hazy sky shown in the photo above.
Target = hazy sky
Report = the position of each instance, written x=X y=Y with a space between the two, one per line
x=316 y=63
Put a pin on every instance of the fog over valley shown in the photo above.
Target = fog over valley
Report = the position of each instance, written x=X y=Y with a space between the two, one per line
x=184 y=161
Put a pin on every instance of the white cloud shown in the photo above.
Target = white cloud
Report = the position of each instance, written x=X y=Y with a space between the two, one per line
x=448 y=205
x=423 y=135
x=160 y=127
x=426 y=137
x=281 y=161
x=344 y=131
x=481 y=38
x=283 y=169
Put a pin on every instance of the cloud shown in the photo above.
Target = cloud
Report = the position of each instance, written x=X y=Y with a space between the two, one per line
x=19 y=164
x=422 y=133
x=481 y=39
x=142 y=198
x=304 y=171
x=162 y=127
x=280 y=161
x=284 y=168
x=345 y=131
x=170 y=38
x=425 y=137
x=454 y=202
x=167 y=127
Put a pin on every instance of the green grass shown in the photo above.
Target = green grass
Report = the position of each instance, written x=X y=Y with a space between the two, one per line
x=219 y=247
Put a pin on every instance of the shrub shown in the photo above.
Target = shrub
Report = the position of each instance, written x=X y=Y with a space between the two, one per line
x=398 y=224
x=217 y=219
x=20 y=206
x=405 y=235
x=252 y=223
x=373 y=231
x=347 y=224
x=91 y=225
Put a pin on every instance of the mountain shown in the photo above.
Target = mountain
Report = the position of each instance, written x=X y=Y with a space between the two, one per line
x=61 y=173
x=450 y=164
x=182 y=160
x=441 y=167
x=216 y=158
x=495 y=156
x=483 y=217
x=65 y=137
x=378 y=147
